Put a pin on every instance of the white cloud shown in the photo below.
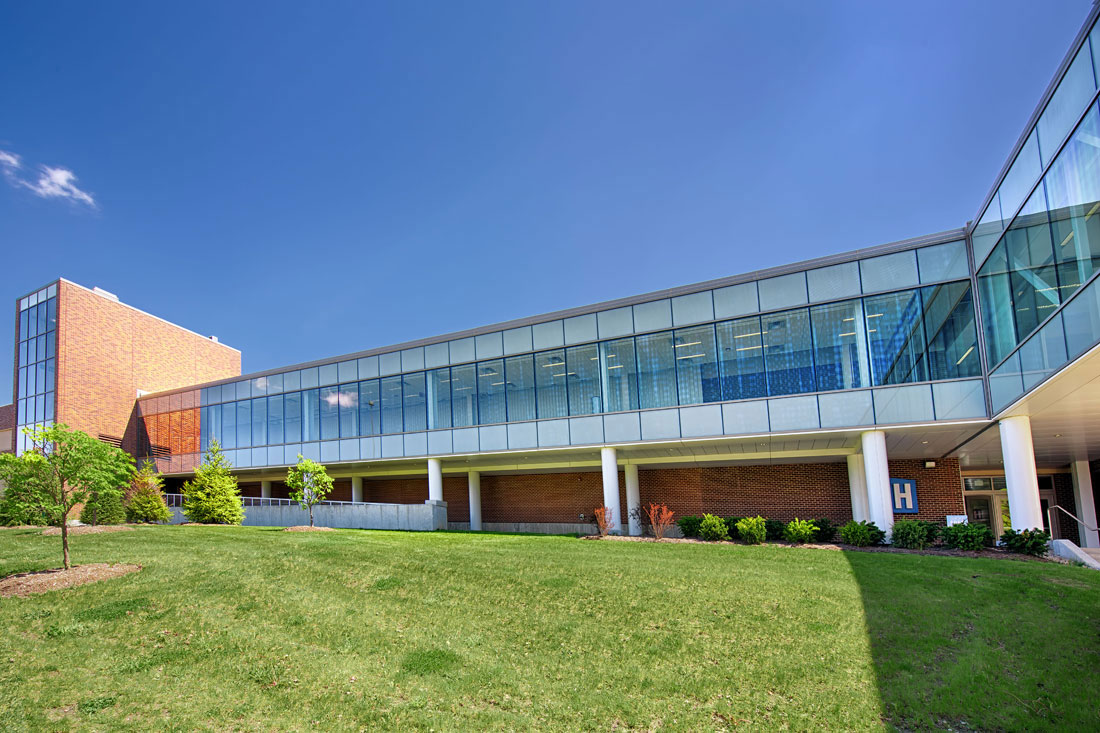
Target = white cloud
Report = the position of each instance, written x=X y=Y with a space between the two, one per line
x=52 y=182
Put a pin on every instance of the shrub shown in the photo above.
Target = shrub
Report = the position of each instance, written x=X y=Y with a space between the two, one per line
x=752 y=530
x=605 y=519
x=826 y=530
x=660 y=519
x=144 y=500
x=1026 y=541
x=712 y=528
x=212 y=497
x=731 y=525
x=774 y=529
x=967 y=536
x=689 y=525
x=861 y=534
x=913 y=534
x=799 y=530
x=104 y=508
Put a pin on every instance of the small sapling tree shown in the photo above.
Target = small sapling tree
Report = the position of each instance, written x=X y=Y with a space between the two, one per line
x=660 y=519
x=605 y=519
x=212 y=497
x=309 y=484
x=78 y=467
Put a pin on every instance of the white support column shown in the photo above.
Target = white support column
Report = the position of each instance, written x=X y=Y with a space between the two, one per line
x=611 y=487
x=857 y=485
x=1086 y=504
x=357 y=488
x=475 y=501
x=876 y=469
x=1024 y=508
x=435 y=480
x=265 y=489
x=633 y=499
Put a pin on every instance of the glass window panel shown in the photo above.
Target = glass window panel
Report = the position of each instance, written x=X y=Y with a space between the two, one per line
x=242 y=390
x=895 y=332
x=519 y=373
x=370 y=410
x=51 y=313
x=327 y=374
x=391 y=405
x=583 y=364
x=464 y=395
x=1020 y=177
x=292 y=381
x=998 y=320
x=1066 y=104
x=889 y=272
x=330 y=413
x=274 y=383
x=415 y=398
x=31 y=348
x=24 y=324
x=40 y=408
x=840 y=346
x=550 y=381
x=788 y=352
x=259 y=386
x=50 y=374
x=696 y=365
x=22 y=417
x=23 y=382
x=40 y=309
x=229 y=425
x=309 y=378
x=23 y=360
x=40 y=348
x=275 y=420
x=311 y=416
x=490 y=392
x=244 y=424
x=51 y=344
x=656 y=370
x=348 y=371
x=988 y=231
x=943 y=262
x=952 y=335
x=1033 y=274
x=439 y=398
x=292 y=417
x=1073 y=191
x=40 y=377
x=620 y=373
x=259 y=421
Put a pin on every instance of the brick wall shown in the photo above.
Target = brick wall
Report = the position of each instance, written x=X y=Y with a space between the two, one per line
x=7 y=428
x=108 y=351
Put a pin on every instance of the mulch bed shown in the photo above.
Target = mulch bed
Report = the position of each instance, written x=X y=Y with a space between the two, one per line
x=88 y=529
x=307 y=528
x=43 y=581
x=994 y=552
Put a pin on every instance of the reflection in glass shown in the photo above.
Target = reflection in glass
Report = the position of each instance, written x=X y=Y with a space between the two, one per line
x=439 y=398
x=550 y=384
x=490 y=392
x=583 y=363
x=391 y=405
x=895 y=332
x=416 y=403
x=370 y=408
x=696 y=365
x=656 y=370
x=952 y=334
x=840 y=346
x=620 y=375
x=788 y=352
x=519 y=374
x=464 y=395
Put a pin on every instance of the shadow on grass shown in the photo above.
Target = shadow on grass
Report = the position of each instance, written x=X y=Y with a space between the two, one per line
x=989 y=644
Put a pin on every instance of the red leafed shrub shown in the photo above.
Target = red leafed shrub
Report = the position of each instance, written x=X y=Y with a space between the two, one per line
x=605 y=519
x=660 y=519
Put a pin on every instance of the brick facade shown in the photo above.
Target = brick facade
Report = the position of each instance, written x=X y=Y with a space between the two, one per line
x=7 y=428
x=108 y=351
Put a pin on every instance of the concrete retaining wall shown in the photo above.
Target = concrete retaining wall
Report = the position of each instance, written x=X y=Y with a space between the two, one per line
x=412 y=517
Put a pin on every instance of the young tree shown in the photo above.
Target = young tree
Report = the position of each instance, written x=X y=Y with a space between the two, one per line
x=309 y=484
x=144 y=499
x=212 y=497
x=78 y=466
x=26 y=481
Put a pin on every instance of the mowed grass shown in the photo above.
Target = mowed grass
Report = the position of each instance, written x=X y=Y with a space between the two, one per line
x=258 y=629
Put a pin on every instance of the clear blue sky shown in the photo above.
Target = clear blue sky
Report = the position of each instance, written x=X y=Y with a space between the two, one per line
x=310 y=179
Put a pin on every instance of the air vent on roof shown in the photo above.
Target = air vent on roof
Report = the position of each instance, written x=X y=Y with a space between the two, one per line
x=105 y=293
x=111 y=440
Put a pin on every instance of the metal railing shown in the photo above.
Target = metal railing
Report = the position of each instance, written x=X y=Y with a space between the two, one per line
x=176 y=500
x=1050 y=517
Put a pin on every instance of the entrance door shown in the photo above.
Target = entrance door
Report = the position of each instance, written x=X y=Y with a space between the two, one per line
x=978 y=510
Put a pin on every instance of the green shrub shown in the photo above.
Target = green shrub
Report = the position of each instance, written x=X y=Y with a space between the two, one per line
x=212 y=497
x=731 y=526
x=752 y=530
x=104 y=508
x=826 y=530
x=799 y=531
x=967 y=536
x=912 y=534
x=774 y=529
x=147 y=505
x=712 y=528
x=861 y=534
x=1026 y=541
x=689 y=525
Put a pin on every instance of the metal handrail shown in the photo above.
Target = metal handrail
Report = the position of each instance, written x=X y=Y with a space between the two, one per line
x=176 y=500
x=1050 y=518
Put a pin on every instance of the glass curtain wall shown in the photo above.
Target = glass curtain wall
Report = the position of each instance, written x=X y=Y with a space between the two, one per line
x=36 y=359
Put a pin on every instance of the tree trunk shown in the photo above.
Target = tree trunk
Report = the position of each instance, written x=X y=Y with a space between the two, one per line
x=65 y=538
x=311 y=516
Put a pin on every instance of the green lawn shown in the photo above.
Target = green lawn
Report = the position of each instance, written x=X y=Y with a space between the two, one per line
x=258 y=629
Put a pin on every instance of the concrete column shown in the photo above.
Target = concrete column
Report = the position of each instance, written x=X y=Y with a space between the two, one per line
x=265 y=489
x=1023 y=486
x=357 y=488
x=611 y=487
x=475 y=500
x=1086 y=504
x=857 y=485
x=435 y=480
x=876 y=470
x=633 y=499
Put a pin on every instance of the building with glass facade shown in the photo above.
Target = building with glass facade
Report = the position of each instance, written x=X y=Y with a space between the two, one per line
x=939 y=377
